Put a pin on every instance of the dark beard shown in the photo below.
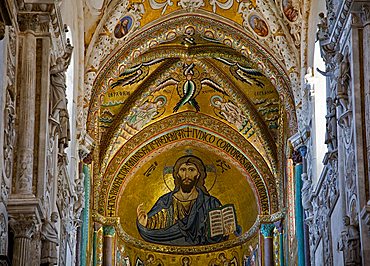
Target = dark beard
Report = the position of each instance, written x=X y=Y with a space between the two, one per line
x=186 y=188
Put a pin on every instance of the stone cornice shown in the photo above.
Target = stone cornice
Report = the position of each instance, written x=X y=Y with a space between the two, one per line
x=338 y=28
x=40 y=16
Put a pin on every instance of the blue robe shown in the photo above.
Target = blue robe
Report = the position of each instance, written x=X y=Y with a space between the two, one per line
x=192 y=230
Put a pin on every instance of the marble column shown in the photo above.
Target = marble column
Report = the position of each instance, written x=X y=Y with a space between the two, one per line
x=365 y=212
x=267 y=232
x=95 y=241
x=303 y=152
x=108 y=234
x=85 y=225
x=360 y=83
x=298 y=170
x=78 y=245
x=26 y=118
x=23 y=206
x=23 y=228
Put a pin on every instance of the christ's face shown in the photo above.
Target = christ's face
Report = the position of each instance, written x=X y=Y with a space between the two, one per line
x=189 y=175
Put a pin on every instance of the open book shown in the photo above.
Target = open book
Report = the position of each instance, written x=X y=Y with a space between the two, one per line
x=222 y=221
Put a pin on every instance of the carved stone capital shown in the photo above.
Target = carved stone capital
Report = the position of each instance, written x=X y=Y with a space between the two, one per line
x=34 y=21
x=23 y=226
x=300 y=139
x=365 y=14
x=267 y=230
x=303 y=150
x=296 y=157
x=47 y=8
x=86 y=145
x=108 y=230
x=356 y=19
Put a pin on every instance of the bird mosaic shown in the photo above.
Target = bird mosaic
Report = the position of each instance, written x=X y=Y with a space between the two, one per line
x=135 y=74
x=243 y=73
x=190 y=83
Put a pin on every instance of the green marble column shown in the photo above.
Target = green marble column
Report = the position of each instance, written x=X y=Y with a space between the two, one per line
x=85 y=215
x=298 y=170
x=267 y=232
x=94 y=245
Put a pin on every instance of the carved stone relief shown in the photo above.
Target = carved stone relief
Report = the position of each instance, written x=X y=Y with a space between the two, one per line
x=9 y=115
x=349 y=243
x=337 y=56
x=3 y=235
x=323 y=204
x=343 y=92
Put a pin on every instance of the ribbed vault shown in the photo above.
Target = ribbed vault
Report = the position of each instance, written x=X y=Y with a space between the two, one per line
x=190 y=83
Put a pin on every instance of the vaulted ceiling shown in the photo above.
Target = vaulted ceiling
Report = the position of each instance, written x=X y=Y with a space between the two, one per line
x=216 y=79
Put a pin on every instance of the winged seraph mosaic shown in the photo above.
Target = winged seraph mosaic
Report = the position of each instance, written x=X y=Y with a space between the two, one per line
x=189 y=88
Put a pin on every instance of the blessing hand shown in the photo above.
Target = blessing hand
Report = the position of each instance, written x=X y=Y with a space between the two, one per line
x=142 y=217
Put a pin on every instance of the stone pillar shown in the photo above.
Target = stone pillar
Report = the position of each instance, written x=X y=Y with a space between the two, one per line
x=108 y=234
x=366 y=39
x=26 y=118
x=85 y=195
x=365 y=212
x=360 y=33
x=24 y=207
x=280 y=227
x=267 y=232
x=298 y=170
x=24 y=228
